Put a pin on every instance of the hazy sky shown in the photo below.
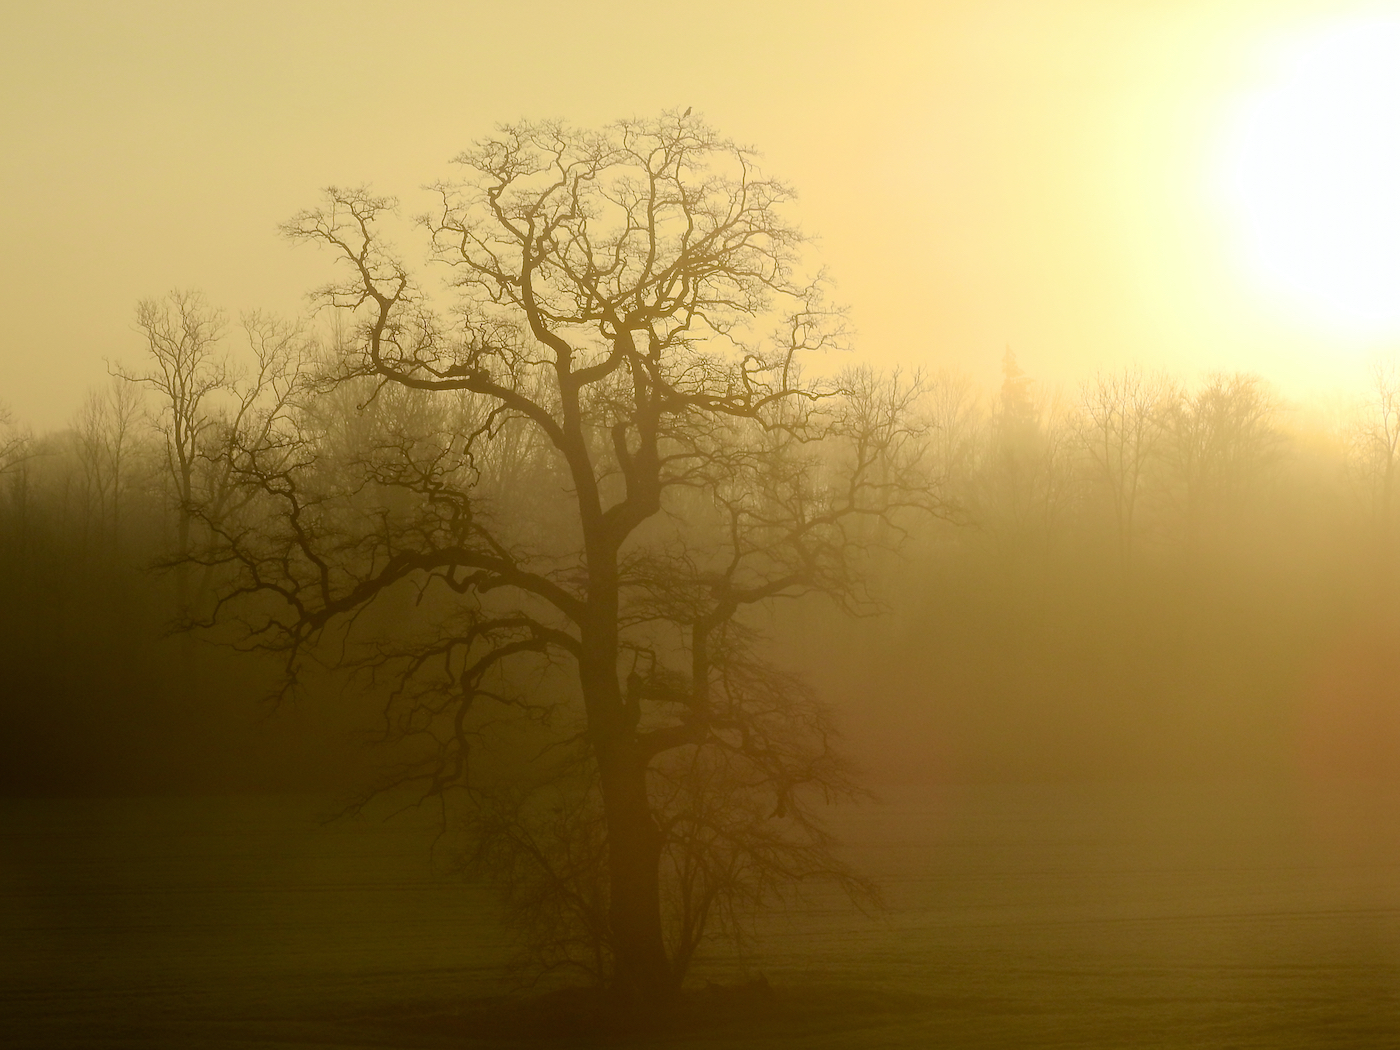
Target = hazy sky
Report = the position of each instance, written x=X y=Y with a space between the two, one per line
x=1032 y=173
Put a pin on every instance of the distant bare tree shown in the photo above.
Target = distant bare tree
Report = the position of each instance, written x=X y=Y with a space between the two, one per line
x=1220 y=441
x=186 y=371
x=1028 y=477
x=106 y=435
x=16 y=446
x=1121 y=427
x=1374 y=446
x=14 y=442
x=209 y=405
x=956 y=430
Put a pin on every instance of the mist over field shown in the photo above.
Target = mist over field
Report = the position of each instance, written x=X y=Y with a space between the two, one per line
x=1125 y=778
x=475 y=576
x=1235 y=629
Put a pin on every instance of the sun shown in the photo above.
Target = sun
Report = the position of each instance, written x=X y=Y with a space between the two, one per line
x=1311 y=176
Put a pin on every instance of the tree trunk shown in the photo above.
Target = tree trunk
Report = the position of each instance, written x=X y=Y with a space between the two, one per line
x=644 y=973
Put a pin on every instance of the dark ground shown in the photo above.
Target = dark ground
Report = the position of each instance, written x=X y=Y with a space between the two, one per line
x=1019 y=916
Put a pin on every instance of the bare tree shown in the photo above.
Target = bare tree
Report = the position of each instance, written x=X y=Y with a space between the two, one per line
x=187 y=371
x=14 y=442
x=625 y=360
x=16 y=448
x=1027 y=480
x=106 y=434
x=1121 y=421
x=210 y=404
x=956 y=430
x=1221 y=438
x=1374 y=447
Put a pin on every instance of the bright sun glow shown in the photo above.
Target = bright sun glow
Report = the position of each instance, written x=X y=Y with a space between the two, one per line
x=1313 y=177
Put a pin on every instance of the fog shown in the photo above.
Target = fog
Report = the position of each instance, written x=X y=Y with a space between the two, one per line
x=1237 y=628
x=1178 y=752
x=1039 y=175
x=485 y=560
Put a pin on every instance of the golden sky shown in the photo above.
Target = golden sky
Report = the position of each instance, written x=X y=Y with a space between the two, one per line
x=1042 y=174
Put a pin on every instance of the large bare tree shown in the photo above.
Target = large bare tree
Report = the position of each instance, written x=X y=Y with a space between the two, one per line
x=568 y=494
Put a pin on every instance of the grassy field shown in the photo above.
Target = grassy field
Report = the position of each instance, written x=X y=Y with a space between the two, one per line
x=1025 y=916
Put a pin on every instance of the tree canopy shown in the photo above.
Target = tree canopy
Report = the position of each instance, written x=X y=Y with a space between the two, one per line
x=551 y=510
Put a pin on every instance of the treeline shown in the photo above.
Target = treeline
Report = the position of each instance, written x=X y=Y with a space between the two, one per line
x=104 y=688
x=1142 y=576
x=1150 y=577
x=1158 y=471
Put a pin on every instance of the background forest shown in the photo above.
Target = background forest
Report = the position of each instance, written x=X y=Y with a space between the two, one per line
x=1145 y=576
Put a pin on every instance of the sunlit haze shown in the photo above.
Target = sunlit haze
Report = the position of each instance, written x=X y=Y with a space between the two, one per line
x=1312 y=168
x=1040 y=175
x=737 y=525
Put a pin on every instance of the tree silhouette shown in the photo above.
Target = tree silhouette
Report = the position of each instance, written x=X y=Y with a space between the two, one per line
x=566 y=499
x=1121 y=426
x=1219 y=442
x=209 y=404
x=1374 y=453
x=106 y=441
x=1028 y=471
